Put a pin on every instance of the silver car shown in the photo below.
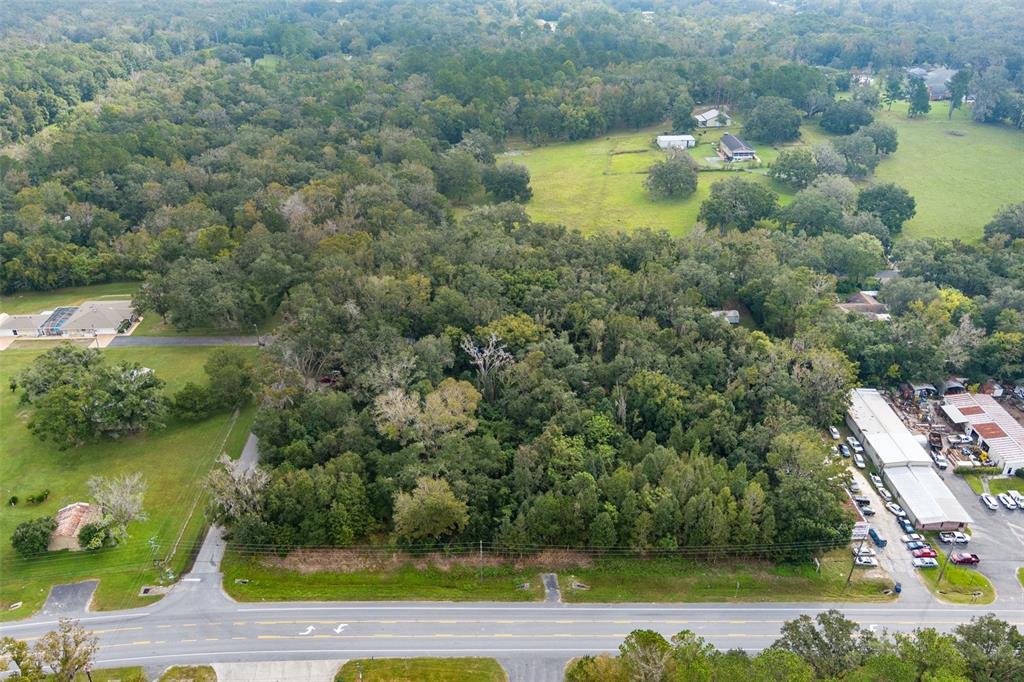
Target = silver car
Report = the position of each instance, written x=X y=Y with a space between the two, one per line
x=989 y=501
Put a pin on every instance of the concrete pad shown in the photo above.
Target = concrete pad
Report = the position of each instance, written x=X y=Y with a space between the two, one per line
x=6 y=341
x=278 y=671
x=102 y=340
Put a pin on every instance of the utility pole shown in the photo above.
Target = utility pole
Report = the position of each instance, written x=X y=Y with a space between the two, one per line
x=480 y=561
x=849 y=577
x=943 y=571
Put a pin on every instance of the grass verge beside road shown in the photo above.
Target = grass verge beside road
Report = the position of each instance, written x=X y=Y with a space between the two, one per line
x=132 y=674
x=189 y=673
x=960 y=584
x=683 y=580
x=452 y=583
x=171 y=460
x=422 y=670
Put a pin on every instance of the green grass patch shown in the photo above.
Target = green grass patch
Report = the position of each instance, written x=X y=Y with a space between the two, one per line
x=1001 y=485
x=1020 y=576
x=684 y=580
x=597 y=185
x=32 y=302
x=960 y=584
x=960 y=172
x=172 y=460
x=189 y=673
x=131 y=674
x=422 y=670
x=975 y=481
x=454 y=583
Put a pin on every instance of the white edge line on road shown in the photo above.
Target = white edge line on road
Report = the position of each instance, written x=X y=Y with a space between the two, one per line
x=354 y=652
x=726 y=608
x=37 y=623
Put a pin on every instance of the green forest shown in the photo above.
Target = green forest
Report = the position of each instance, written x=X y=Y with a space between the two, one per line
x=445 y=371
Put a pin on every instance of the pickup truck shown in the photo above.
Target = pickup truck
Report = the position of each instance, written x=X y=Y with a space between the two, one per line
x=964 y=558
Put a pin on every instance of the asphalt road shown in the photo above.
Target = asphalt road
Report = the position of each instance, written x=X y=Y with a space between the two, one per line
x=198 y=623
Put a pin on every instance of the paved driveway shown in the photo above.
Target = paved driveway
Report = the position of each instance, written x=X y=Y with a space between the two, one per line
x=998 y=538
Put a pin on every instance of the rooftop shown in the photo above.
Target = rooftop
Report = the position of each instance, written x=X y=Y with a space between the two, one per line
x=925 y=496
x=100 y=315
x=735 y=144
x=884 y=432
x=710 y=115
x=1003 y=434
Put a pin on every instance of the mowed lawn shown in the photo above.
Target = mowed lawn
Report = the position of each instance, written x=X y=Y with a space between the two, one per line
x=597 y=185
x=960 y=172
x=422 y=670
x=173 y=462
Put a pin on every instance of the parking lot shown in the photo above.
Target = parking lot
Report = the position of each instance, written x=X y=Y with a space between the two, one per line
x=894 y=558
x=998 y=538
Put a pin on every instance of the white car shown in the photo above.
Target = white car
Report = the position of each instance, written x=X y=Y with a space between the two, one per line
x=834 y=432
x=858 y=459
x=885 y=494
x=853 y=443
x=924 y=562
x=877 y=480
x=912 y=537
x=1007 y=501
x=964 y=440
x=895 y=509
x=866 y=561
x=951 y=537
x=940 y=461
x=989 y=501
x=1017 y=498
x=863 y=551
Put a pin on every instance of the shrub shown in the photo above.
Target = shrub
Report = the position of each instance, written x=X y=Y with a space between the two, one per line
x=13 y=501
x=32 y=537
x=193 y=402
x=92 y=536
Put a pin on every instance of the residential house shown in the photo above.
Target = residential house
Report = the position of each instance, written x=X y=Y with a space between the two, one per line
x=70 y=521
x=865 y=304
x=732 y=148
x=713 y=118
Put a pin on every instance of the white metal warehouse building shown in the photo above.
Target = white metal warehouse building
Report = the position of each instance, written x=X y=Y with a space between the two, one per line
x=904 y=463
x=886 y=440
x=925 y=497
x=995 y=429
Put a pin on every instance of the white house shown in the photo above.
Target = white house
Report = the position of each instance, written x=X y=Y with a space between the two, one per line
x=90 y=319
x=676 y=141
x=713 y=118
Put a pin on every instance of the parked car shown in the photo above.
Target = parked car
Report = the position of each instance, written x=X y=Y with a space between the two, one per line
x=834 y=432
x=912 y=537
x=852 y=442
x=989 y=501
x=863 y=551
x=905 y=525
x=885 y=494
x=924 y=562
x=964 y=558
x=895 y=509
x=865 y=561
x=867 y=511
x=877 y=480
x=844 y=451
x=861 y=500
x=916 y=544
x=858 y=459
x=961 y=438
x=925 y=552
x=940 y=460
x=854 y=487
x=951 y=537
x=1017 y=498
x=1007 y=501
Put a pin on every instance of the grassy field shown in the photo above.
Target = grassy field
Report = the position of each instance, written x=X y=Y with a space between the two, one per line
x=597 y=185
x=960 y=584
x=189 y=673
x=422 y=670
x=996 y=485
x=31 y=302
x=680 y=580
x=960 y=173
x=453 y=584
x=171 y=460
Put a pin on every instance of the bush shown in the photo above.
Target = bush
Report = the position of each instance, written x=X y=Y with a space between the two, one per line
x=192 y=402
x=13 y=502
x=31 y=538
x=92 y=536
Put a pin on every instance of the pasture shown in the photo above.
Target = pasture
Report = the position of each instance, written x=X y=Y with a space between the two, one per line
x=172 y=460
x=960 y=173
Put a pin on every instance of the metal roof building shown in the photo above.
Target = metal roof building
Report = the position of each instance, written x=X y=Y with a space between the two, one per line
x=886 y=440
x=924 y=496
x=997 y=431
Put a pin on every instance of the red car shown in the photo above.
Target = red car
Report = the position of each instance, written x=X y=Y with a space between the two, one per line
x=964 y=558
x=924 y=553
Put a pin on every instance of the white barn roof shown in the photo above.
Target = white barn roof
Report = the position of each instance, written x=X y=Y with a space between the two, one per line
x=666 y=141
x=885 y=436
x=925 y=496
